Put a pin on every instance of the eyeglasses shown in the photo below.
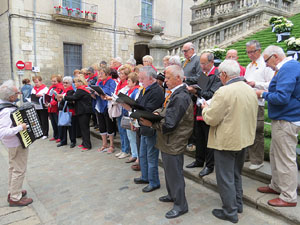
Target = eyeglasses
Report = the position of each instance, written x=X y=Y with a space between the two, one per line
x=268 y=58
x=252 y=52
x=65 y=82
x=185 y=51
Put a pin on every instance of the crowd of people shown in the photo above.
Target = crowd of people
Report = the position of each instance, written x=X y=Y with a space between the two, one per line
x=220 y=110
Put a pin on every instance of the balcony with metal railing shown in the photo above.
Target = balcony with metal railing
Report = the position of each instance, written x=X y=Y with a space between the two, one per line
x=75 y=11
x=148 y=26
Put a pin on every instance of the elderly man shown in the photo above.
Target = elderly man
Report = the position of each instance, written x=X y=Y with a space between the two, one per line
x=233 y=54
x=173 y=132
x=116 y=63
x=284 y=111
x=151 y=98
x=191 y=65
x=258 y=76
x=232 y=119
x=209 y=82
x=16 y=154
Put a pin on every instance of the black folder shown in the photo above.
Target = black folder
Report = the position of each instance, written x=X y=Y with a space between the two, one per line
x=97 y=89
x=129 y=101
x=35 y=99
x=146 y=115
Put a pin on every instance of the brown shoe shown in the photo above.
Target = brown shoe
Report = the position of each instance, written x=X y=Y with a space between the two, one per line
x=136 y=167
x=267 y=190
x=22 y=202
x=277 y=202
x=24 y=193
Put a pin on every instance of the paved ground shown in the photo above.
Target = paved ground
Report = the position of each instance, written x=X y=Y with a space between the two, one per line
x=73 y=187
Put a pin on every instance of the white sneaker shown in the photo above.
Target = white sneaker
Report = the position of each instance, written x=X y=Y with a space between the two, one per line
x=123 y=155
x=255 y=167
x=44 y=137
x=118 y=154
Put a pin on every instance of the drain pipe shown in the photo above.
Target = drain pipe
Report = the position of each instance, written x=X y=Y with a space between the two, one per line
x=115 y=29
x=34 y=32
x=10 y=43
x=181 y=18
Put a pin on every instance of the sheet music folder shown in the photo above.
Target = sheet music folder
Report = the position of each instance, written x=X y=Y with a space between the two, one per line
x=122 y=98
x=97 y=89
x=35 y=99
x=146 y=115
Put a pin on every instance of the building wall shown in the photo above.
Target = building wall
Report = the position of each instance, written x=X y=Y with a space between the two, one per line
x=97 y=40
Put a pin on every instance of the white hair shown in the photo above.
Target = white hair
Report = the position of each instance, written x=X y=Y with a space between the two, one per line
x=175 y=60
x=131 y=61
x=7 y=90
x=149 y=71
x=176 y=70
x=68 y=79
x=118 y=59
x=190 y=45
x=230 y=67
x=148 y=57
x=272 y=49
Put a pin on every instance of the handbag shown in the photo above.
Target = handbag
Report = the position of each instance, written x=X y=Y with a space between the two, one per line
x=64 y=118
x=114 y=110
x=125 y=122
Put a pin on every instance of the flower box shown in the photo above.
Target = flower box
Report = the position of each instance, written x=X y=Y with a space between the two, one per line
x=283 y=36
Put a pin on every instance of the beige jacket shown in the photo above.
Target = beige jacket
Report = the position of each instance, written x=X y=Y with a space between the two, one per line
x=232 y=116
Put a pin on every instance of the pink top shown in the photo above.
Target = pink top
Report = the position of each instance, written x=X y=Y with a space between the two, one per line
x=7 y=131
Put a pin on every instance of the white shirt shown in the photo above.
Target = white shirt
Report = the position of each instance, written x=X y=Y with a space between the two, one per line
x=7 y=131
x=261 y=75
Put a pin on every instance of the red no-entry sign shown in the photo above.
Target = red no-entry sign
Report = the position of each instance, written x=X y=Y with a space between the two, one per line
x=20 y=65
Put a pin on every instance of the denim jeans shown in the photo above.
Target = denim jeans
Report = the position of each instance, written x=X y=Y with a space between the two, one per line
x=123 y=136
x=132 y=141
x=149 y=160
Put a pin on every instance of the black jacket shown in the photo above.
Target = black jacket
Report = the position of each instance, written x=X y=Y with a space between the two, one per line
x=152 y=99
x=83 y=101
x=70 y=104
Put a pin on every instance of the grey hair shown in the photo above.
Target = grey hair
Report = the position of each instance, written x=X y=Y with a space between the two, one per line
x=230 y=67
x=68 y=79
x=167 y=57
x=255 y=43
x=209 y=55
x=7 y=90
x=175 y=60
x=272 y=49
x=148 y=57
x=176 y=70
x=118 y=59
x=191 y=45
x=131 y=61
x=149 y=71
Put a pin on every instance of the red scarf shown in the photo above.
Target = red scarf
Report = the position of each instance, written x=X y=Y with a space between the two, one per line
x=68 y=89
x=104 y=81
x=132 y=89
x=38 y=89
x=83 y=87
x=121 y=84
x=59 y=88
x=91 y=78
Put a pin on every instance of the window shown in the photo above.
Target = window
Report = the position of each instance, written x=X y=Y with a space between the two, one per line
x=71 y=4
x=147 y=11
x=72 y=58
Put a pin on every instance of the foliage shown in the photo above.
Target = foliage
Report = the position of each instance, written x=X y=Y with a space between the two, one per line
x=219 y=53
x=283 y=27
x=293 y=43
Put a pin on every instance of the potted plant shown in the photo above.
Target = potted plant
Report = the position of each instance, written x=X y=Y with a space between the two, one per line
x=78 y=12
x=283 y=30
x=148 y=26
x=293 y=47
x=70 y=11
x=94 y=15
x=140 y=25
x=58 y=9
x=86 y=13
x=276 y=20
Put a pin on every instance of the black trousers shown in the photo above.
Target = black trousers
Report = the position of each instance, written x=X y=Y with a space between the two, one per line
x=43 y=116
x=106 y=125
x=203 y=154
x=84 y=125
x=54 y=122
x=229 y=165
x=173 y=167
x=72 y=132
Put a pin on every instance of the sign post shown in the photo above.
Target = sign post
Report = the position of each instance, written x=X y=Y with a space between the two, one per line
x=20 y=65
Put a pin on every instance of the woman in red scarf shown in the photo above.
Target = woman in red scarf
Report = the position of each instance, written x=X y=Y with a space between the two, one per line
x=68 y=91
x=56 y=88
x=83 y=110
x=39 y=90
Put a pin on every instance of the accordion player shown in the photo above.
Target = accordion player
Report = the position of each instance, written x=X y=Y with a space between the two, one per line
x=27 y=114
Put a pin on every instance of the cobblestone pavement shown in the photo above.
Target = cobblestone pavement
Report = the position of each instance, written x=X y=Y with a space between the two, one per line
x=73 y=187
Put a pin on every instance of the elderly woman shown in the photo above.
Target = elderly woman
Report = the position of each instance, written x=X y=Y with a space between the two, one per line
x=148 y=60
x=68 y=91
x=54 y=89
x=106 y=125
x=83 y=110
x=40 y=90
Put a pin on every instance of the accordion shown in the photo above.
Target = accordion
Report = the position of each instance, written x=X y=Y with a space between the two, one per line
x=27 y=114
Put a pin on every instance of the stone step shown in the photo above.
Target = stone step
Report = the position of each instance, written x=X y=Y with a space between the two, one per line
x=250 y=184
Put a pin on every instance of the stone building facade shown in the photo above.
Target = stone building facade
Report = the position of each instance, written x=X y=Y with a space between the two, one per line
x=32 y=31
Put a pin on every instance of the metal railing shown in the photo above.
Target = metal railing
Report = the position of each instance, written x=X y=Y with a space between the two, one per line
x=149 y=24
